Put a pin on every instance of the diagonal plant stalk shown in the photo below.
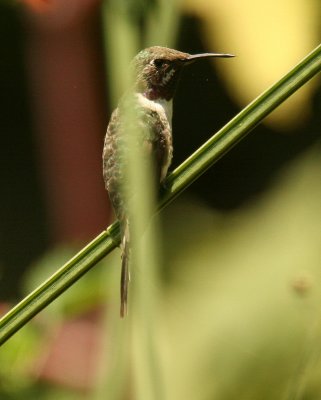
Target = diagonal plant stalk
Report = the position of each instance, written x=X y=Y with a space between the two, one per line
x=176 y=182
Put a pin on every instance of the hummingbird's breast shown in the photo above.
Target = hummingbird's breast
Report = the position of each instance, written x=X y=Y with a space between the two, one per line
x=162 y=106
x=161 y=111
x=152 y=120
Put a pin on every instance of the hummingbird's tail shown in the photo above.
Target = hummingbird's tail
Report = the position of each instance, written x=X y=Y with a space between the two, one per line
x=124 y=280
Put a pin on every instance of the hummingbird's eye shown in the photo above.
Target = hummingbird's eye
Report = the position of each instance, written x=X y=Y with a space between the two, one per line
x=159 y=62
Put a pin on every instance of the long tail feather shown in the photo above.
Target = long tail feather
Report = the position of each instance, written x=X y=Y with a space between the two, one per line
x=124 y=280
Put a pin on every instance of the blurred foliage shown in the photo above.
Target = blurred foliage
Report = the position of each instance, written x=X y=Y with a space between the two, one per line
x=21 y=359
x=82 y=297
x=244 y=293
x=16 y=360
x=135 y=10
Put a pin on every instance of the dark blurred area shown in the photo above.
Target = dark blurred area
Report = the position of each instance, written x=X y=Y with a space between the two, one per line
x=24 y=230
x=53 y=121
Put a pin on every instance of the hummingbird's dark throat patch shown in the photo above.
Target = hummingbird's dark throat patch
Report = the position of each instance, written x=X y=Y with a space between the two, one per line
x=165 y=87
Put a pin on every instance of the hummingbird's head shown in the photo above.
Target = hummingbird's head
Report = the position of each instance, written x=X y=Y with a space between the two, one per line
x=156 y=70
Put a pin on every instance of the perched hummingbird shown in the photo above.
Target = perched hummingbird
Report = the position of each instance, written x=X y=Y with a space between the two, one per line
x=156 y=71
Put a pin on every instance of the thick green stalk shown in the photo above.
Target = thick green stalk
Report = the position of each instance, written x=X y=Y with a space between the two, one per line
x=60 y=281
x=177 y=181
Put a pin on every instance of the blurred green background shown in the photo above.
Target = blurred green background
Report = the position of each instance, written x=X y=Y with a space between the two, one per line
x=240 y=250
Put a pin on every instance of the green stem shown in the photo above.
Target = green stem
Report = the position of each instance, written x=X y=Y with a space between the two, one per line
x=60 y=281
x=176 y=182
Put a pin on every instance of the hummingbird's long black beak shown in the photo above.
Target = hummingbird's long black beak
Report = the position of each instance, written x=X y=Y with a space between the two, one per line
x=193 y=57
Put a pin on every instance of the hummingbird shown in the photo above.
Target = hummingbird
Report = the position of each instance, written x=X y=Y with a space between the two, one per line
x=156 y=71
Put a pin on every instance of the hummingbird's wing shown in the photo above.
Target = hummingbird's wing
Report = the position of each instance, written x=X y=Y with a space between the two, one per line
x=114 y=165
x=157 y=143
x=153 y=137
